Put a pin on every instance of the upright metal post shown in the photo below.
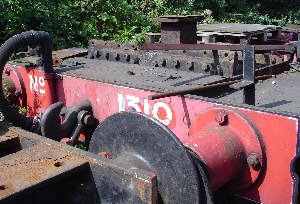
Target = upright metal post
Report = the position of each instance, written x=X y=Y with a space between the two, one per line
x=298 y=45
x=248 y=73
x=298 y=52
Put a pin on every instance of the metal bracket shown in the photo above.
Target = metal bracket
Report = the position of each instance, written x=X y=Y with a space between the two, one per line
x=248 y=84
x=290 y=47
x=294 y=47
x=298 y=51
x=295 y=66
x=75 y=119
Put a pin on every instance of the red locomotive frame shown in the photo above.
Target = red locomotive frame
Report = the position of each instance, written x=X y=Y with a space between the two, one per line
x=278 y=133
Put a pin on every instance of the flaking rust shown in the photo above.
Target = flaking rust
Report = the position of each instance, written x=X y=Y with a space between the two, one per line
x=40 y=163
x=142 y=187
x=31 y=166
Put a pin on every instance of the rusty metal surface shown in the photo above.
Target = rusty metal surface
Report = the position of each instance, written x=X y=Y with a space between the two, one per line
x=41 y=170
x=112 y=44
x=60 y=55
x=221 y=62
x=70 y=52
x=207 y=46
x=184 y=32
x=9 y=143
x=29 y=167
x=237 y=33
x=179 y=18
x=291 y=28
x=179 y=29
x=145 y=77
x=235 y=28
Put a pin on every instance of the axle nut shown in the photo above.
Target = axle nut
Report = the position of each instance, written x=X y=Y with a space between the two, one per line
x=253 y=160
x=222 y=118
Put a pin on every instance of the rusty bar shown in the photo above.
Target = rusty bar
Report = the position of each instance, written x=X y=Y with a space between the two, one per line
x=269 y=69
x=70 y=52
x=60 y=55
x=200 y=88
x=179 y=18
x=208 y=46
x=269 y=47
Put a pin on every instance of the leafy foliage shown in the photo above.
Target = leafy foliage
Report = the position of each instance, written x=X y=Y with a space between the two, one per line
x=73 y=22
x=81 y=146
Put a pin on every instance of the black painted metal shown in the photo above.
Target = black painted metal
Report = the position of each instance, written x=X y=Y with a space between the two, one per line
x=248 y=74
x=298 y=51
x=139 y=141
x=76 y=133
x=295 y=173
x=72 y=125
x=50 y=121
x=84 y=119
x=203 y=172
x=29 y=38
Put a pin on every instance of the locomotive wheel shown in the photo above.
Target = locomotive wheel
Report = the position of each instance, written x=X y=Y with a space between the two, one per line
x=138 y=140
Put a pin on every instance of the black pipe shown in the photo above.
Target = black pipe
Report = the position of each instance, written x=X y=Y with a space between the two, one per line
x=29 y=38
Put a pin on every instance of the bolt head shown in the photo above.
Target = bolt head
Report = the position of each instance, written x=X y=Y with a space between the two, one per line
x=221 y=118
x=254 y=160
